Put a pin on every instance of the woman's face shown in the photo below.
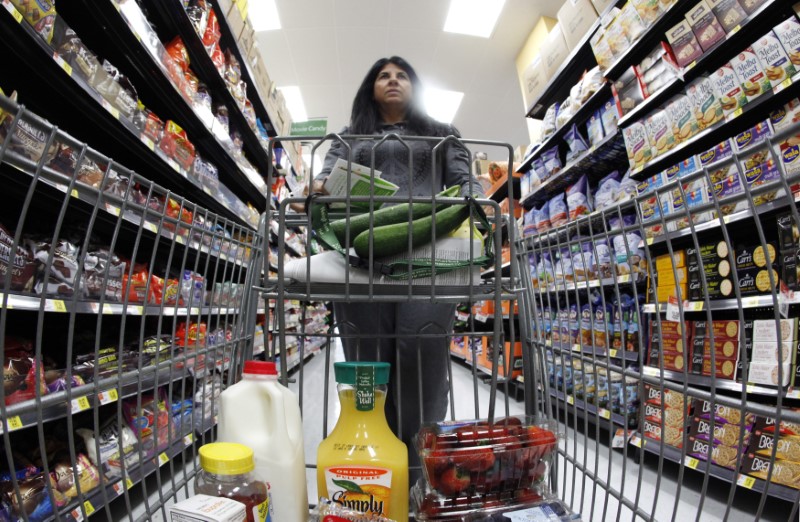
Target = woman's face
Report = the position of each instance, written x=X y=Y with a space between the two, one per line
x=392 y=88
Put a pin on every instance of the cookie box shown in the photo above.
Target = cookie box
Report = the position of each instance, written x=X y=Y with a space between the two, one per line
x=473 y=457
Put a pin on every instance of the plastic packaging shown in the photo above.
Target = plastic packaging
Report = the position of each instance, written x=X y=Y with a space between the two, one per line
x=264 y=415
x=550 y=121
x=607 y=191
x=558 y=210
x=576 y=142
x=228 y=472
x=552 y=161
x=579 y=200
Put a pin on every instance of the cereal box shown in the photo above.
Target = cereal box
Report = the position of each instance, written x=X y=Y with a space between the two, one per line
x=637 y=144
x=684 y=43
x=728 y=12
x=788 y=34
x=705 y=25
x=680 y=112
x=751 y=74
x=705 y=102
x=729 y=88
x=773 y=58
x=659 y=132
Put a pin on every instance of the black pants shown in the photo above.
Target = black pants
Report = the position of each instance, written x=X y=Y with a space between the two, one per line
x=418 y=385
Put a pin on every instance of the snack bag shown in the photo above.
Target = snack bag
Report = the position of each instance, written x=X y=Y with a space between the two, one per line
x=41 y=14
x=19 y=372
x=144 y=420
x=579 y=199
x=577 y=144
x=558 y=211
x=607 y=189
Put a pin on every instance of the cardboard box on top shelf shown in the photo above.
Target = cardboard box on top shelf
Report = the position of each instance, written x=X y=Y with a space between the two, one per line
x=262 y=78
x=601 y=5
x=554 y=50
x=235 y=22
x=246 y=38
x=285 y=120
x=242 y=6
x=224 y=6
x=533 y=81
x=576 y=18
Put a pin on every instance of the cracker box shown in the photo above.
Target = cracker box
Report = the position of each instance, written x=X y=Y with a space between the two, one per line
x=728 y=12
x=658 y=414
x=669 y=343
x=672 y=328
x=767 y=373
x=669 y=398
x=602 y=52
x=684 y=168
x=756 y=281
x=616 y=37
x=723 y=348
x=727 y=329
x=768 y=352
x=788 y=151
x=723 y=368
x=659 y=132
x=766 y=330
x=788 y=33
x=787 y=448
x=708 y=251
x=788 y=232
x=672 y=436
x=681 y=114
x=637 y=144
x=649 y=10
x=774 y=58
x=721 y=455
x=755 y=256
x=730 y=90
x=720 y=152
x=722 y=413
x=712 y=268
x=684 y=43
x=789 y=268
x=705 y=25
x=784 y=472
x=675 y=362
x=751 y=6
x=783 y=117
x=767 y=425
x=724 y=433
x=715 y=288
x=667 y=261
x=751 y=74
x=632 y=23
x=672 y=276
x=727 y=182
x=705 y=102
x=752 y=136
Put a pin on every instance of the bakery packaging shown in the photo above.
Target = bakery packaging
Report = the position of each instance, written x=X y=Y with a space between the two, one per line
x=705 y=25
x=684 y=43
x=751 y=74
x=774 y=58
x=788 y=33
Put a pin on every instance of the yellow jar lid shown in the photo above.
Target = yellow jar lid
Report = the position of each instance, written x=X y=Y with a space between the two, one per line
x=226 y=458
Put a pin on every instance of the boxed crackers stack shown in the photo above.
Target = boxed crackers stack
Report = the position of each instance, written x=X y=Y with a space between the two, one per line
x=756 y=462
x=725 y=347
x=753 y=266
x=773 y=348
x=723 y=446
x=671 y=275
x=665 y=415
x=667 y=341
x=789 y=255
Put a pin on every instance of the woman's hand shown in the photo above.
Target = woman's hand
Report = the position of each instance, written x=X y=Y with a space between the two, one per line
x=318 y=186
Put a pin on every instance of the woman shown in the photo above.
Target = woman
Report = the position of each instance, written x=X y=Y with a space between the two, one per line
x=389 y=102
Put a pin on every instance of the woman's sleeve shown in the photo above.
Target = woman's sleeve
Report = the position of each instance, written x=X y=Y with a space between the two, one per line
x=336 y=151
x=457 y=169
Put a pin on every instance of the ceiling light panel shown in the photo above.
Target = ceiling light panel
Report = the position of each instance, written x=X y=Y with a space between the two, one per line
x=442 y=105
x=263 y=15
x=473 y=17
x=294 y=102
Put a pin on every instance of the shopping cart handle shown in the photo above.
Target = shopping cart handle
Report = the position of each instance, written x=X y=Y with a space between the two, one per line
x=357 y=262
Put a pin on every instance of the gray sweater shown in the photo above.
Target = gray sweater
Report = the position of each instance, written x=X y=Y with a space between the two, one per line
x=391 y=159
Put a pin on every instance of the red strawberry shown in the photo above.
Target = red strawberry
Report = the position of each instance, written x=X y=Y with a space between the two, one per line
x=474 y=459
x=453 y=481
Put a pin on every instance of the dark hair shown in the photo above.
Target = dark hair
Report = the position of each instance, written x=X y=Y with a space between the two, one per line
x=365 y=115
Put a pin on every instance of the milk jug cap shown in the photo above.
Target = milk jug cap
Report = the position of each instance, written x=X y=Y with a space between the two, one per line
x=260 y=368
x=346 y=371
x=226 y=458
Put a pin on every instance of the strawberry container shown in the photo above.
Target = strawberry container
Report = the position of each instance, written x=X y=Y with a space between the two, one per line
x=468 y=458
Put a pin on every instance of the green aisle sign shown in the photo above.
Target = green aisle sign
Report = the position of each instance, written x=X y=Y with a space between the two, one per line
x=318 y=127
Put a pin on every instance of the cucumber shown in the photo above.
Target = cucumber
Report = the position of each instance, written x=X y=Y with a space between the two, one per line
x=393 y=239
x=388 y=216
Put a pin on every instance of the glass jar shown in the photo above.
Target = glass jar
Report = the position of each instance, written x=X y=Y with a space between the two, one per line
x=228 y=472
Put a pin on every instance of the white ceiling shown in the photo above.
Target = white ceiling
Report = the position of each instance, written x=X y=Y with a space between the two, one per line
x=326 y=47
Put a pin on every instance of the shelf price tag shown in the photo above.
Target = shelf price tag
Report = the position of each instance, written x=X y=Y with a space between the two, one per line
x=61 y=63
x=16 y=14
x=128 y=483
x=736 y=113
x=606 y=414
x=570 y=400
x=734 y=30
x=111 y=209
x=187 y=440
x=673 y=311
x=693 y=306
x=783 y=85
x=751 y=302
x=80 y=404
x=162 y=459
x=55 y=305
x=75 y=194
x=613 y=353
x=650 y=240
x=14 y=423
x=108 y=396
x=690 y=462
x=636 y=440
x=746 y=481
x=88 y=507
x=619 y=439
x=107 y=309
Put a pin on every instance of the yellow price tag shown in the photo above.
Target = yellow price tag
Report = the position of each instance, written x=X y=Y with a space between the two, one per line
x=114 y=111
x=162 y=459
x=180 y=240
x=570 y=399
x=650 y=240
x=64 y=65
x=613 y=353
x=16 y=14
x=693 y=306
x=107 y=309
x=128 y=482
x=88 y=507
x=151 y=227
x=606 y=414
x=187 y=440
x=147 y=141
x=14 y=423
x=734 y=30
x=138 y=310
x=59 y=306
x=108 y=396
x=737 y=113
x=74 y=193
x=624 y=279
x=750 y=302
x=783 y=85
x=691 y=66
x=112 y=209
x=80 y=404
x=691 y=462
x=750 y=388
x=636 y=441
x=746 y=481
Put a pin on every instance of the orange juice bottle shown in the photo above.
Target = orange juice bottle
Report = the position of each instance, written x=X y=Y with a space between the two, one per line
x=361 y=465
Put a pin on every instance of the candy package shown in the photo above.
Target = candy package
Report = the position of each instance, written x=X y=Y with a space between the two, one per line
x=149 y=420
x=63 y=474
x=20 y=370
x=40 y=14
x=60 y=280
x=37 y=505
x=114 y=446
x=23 y=271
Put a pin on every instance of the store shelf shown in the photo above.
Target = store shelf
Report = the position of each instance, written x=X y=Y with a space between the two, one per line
x=591 y=350
x=129 y=212
x=651 y=102
x=739 y=121
x=605 y=417
x=611 y=150
x=596 y=221
x=597 y=283
x=719 y=384
x=95 y=499
x=173 y=17
x=581 y=115
x=134 y=51
x=753 y=301
x=675 y=455
x=77 y=99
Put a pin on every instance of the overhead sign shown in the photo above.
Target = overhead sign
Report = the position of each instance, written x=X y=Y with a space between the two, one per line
x=317 y=127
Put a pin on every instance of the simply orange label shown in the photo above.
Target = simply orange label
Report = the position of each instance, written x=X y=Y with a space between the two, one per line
x=360 y=488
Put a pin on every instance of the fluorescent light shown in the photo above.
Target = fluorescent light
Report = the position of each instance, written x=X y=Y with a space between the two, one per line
x=263 y=15
x=473 y=17
x=442 y=105
x=294 y=102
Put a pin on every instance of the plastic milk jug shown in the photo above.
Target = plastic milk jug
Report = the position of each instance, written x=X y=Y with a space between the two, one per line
x=261 y=413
